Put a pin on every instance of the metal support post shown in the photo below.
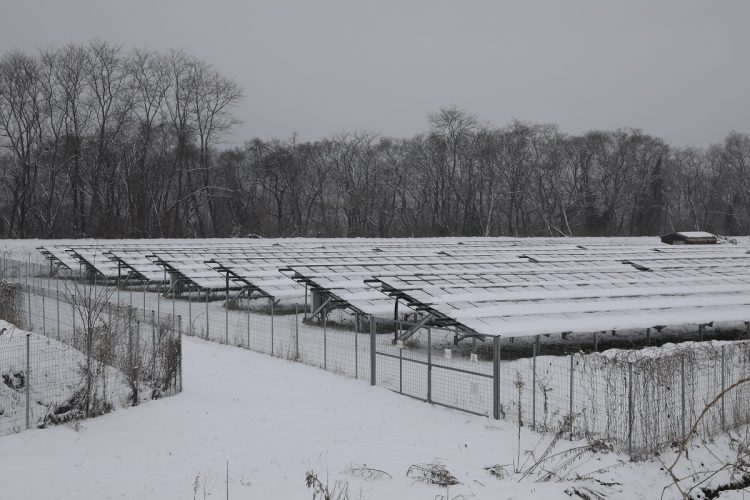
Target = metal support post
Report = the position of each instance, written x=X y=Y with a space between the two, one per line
x=153 y=348
x=429 y=365
x=57 y=305
x=296 y=335
x=158 y=299
x=373 y=365
x=179 y=336
x=44 y=314
x=570 y=402
x=682 y=395
x=28 y=297
x=325 y=340
x=226 y=311
x=356 y=349
x=496 y=377
x=401 y=368
x=533 y=381
x=27 y=381
x=723 y=388
x=73 y=313
x=630 y=409
x=247 y=320
x=190 y=312
x=271 y=299
x=174 y=298
x=207 y=318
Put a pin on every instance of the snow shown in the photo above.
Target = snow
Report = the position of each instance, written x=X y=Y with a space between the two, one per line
x=273 y=420
x=696 y=234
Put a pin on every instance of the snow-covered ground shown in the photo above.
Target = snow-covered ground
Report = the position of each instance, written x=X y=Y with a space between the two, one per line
x=272 y=421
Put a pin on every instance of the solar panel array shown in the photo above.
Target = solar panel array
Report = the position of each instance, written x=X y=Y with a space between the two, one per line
x=487 y=286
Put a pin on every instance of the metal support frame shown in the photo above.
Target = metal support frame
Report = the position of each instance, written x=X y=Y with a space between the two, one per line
x=320 y=308
x=414 y=328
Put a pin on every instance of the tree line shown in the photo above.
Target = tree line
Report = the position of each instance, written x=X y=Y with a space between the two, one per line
x=97 y=141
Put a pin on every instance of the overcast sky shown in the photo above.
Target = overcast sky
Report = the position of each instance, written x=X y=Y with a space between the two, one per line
x=677 y=69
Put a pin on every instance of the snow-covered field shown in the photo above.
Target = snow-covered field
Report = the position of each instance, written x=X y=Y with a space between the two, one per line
x=272 y=420
x=272 y=433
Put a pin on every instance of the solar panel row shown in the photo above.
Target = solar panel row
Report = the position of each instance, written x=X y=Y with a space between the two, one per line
x=488 y=286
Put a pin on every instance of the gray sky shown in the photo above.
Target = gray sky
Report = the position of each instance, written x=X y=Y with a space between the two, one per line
x=677 y=69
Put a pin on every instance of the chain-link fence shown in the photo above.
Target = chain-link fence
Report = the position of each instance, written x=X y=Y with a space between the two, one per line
x=72 y=353
x=636 y=390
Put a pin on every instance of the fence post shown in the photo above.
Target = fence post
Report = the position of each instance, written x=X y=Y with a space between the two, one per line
x=179 y=336
x=630 y=409
x=648 y=336
x=44 y=314
x=27 y=381
x=57 y=297
x=158 y=300
x=153 y=347
x=73 y=313
x=137 y=354
x=174 y=295
x=356 y=347
x=28 y=297
x=596 y=341
x=400 y=365
x=570 y=402
x=247 y=320
x=682 y=390
x=296 y=337
x=207 y=321
x=325 y=340
x=723 y=388
x=373 y=361
x=271 y=299
x=226 y=313
x=429 y=365
x=190 y=311
x=496 y=377
x=533 y=381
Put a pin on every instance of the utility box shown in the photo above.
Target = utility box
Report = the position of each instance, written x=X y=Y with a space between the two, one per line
x=689 y=238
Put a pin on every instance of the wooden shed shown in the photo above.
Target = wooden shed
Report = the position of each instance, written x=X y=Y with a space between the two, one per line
x=689 y=238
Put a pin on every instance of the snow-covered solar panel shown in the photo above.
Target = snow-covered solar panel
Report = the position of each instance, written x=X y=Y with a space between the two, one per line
x=609 y=302
x=95 y=259
x=59 y=255
x=139 y=265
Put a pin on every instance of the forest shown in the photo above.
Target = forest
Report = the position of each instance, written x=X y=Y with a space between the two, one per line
x=101 y=141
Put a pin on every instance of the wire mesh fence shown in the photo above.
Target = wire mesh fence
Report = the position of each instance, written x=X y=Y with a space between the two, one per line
x=67 y=356
x=638 y=391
